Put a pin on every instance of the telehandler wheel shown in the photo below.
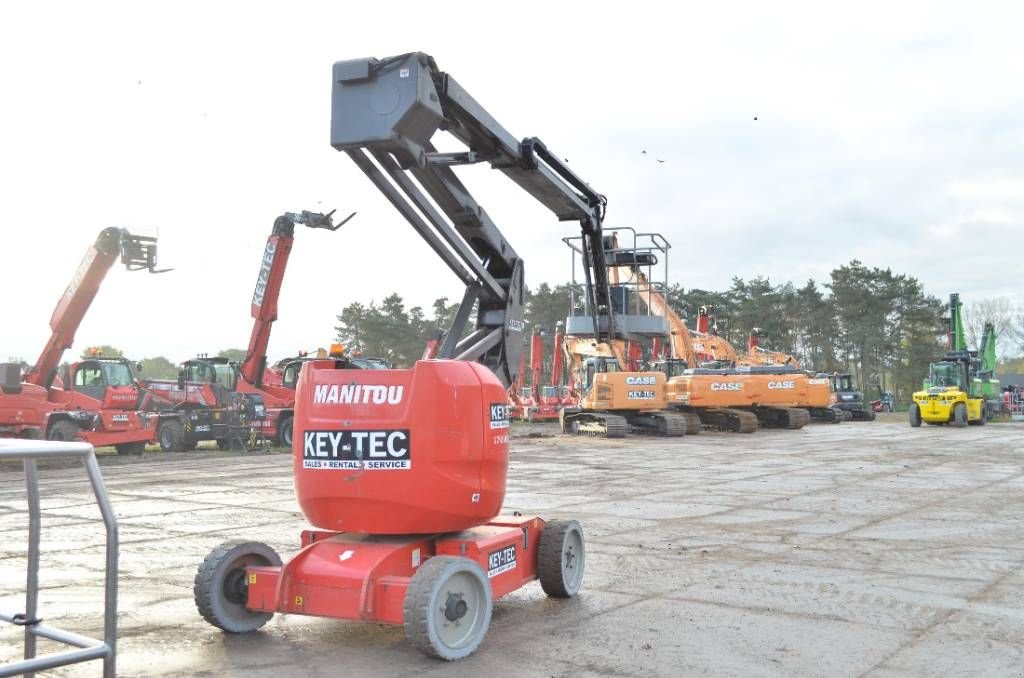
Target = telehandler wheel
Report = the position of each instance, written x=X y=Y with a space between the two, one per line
x=62 y=430
x=561 y=557
x=221 y=586
x=135 y=448
x=959 y=415
x=447 y=608
x=171 y=436
x=284 y=430
x=869 y=414
x=914 y=414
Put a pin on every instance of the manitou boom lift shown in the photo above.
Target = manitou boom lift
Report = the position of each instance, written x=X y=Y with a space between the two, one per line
x=402 y=472
x=96 y=401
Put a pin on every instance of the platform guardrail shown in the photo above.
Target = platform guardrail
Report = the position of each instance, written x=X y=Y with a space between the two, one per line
x=88 y=649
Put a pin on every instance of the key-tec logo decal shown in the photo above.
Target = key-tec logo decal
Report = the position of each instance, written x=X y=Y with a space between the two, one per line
x=502 y=560
x=499 y=415
x=264 y=277
x=347 y=450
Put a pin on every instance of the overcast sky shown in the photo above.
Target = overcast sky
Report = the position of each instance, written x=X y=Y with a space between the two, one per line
x=889 y=132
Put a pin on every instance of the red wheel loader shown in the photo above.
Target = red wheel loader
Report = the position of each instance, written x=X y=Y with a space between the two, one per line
x=402 y=473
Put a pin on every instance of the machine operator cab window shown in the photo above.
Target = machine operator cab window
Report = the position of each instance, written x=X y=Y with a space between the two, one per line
x=92 y=377
x=946 y=375
x=594 y=365
x=223 y=374
x=843 y=382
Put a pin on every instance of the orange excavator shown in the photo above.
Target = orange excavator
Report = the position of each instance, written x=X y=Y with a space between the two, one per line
x=722 y=396
x=613 y=399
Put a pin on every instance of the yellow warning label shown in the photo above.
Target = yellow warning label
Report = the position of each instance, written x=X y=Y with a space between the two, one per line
x=298 y=600
x=252 y=579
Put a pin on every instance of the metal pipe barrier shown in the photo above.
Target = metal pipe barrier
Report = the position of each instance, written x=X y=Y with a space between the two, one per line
x=28 y=451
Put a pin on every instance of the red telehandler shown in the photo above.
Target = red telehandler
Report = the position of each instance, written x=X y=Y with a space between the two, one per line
x=279 y=400
x=98 y=400
x=221 y=399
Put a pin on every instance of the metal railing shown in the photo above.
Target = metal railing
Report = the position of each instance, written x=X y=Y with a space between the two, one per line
x=28 y=451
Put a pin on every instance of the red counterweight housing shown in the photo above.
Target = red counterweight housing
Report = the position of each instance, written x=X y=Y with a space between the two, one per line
x=415 y=451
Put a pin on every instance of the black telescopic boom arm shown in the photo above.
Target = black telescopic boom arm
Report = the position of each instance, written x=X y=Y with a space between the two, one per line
x=384 y=113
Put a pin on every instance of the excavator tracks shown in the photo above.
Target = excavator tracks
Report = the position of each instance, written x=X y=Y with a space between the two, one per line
x=797 y=417
x=694 y=425
x=729 y=419
x=783 y=417
x=595 y=424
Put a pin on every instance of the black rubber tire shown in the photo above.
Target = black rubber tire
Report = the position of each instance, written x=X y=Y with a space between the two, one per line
x=869 y=414
x=135 y=448
x=63 y=430
x=31 y=434
x=984 y=416
x=959 y=415
x=914 y=415
x=284 y=430
x=217 y=572
x=171 y=435
x=223 y=444
x=421 y=605
x=560 y=560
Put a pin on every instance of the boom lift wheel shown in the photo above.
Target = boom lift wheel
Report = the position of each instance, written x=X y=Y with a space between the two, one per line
x=447 y=607
x=63 y=430
x=914 y=414
x=171 y=436
x=561 y=558
x=221 y=587
x=960 y=415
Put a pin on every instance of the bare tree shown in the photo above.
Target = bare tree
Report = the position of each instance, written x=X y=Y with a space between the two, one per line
x=1007 y=317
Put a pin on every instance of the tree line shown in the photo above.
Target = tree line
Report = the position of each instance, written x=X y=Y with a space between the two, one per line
x=878 y=325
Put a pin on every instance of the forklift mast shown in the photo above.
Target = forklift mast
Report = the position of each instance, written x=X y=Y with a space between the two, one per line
x=268 y=286
x=135 y=252
x=957 y=340
x=384 y=115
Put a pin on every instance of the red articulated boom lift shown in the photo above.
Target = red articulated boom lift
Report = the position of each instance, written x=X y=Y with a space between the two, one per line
x=98 y=400
x=402 y=472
